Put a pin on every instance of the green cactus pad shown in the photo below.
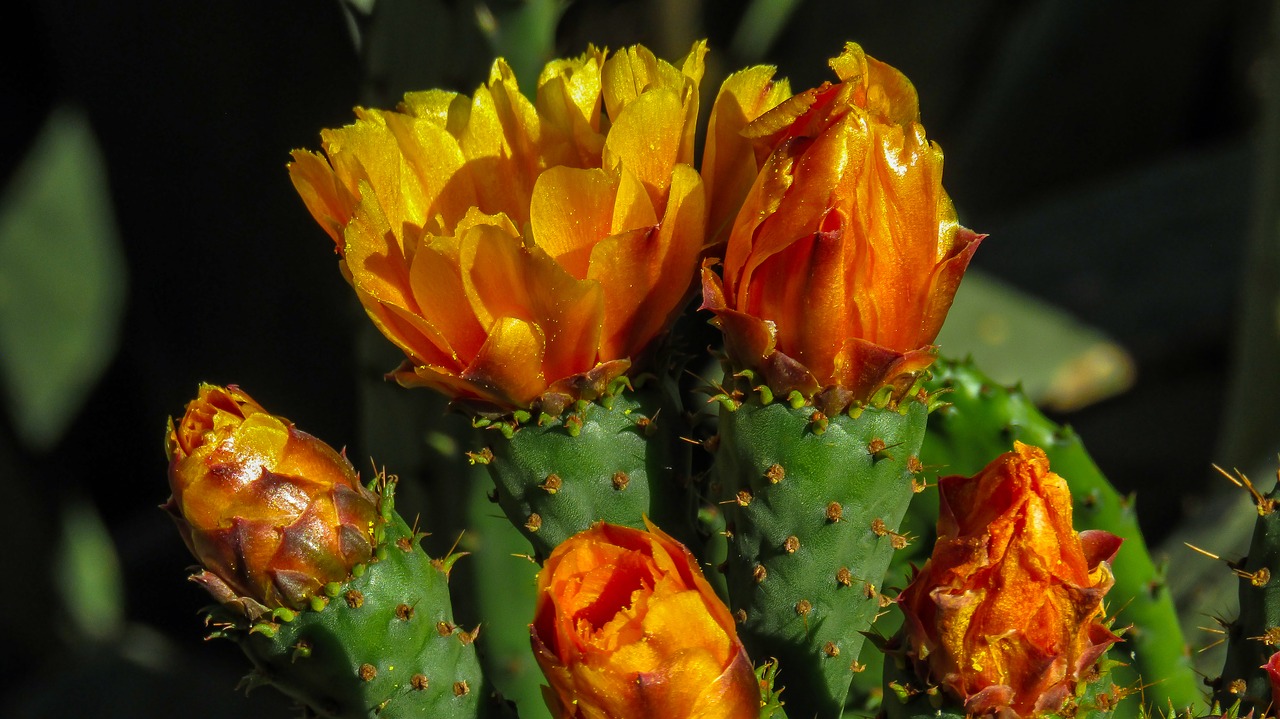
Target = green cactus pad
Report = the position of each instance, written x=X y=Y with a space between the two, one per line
x=1255 y=635
x=383 y=644
x=982 y=422
x=813 y=505
x=613 y=461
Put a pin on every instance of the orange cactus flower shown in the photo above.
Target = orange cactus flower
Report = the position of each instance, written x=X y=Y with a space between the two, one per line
x=627 y=626
x=1006 y=614
x=846 y=253
x=271 y=512
x=516 y=250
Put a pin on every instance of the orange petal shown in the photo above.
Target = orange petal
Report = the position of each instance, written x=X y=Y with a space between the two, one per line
x=510 y=362
x=502 y=278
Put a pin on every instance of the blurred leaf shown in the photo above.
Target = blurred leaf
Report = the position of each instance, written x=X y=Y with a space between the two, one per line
x=523 y=32
x=88 y=573
x=1062 y=363
x=62 y=279
x=759 y=28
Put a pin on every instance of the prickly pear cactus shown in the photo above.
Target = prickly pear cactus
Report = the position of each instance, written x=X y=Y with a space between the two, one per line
x=1254 y=636
x=813 y=508
x=382 y=644
x=613 y=460
x=982 y=421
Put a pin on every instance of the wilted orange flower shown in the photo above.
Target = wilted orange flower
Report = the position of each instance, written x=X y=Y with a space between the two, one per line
x=514 y=249
x=271 y=512
x=1006 y=614
x=845 y=256
x=626 y=626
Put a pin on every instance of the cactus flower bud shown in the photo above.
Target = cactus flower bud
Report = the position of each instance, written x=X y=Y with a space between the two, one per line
x=272 y=513
x=627 y=626
x=1006 y=614
x=846 y=253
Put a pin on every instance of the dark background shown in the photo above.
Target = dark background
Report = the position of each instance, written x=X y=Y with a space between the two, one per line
x=1111 y=149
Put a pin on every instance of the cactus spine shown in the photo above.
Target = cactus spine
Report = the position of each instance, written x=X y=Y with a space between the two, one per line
x=382 y=644
x=982 y=421
x=612 y=460
x=813 y=507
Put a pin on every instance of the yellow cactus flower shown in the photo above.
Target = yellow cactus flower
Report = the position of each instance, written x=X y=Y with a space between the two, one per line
x=520 y=252
x=627 y=626
x=845 y=255
x=1005 y=615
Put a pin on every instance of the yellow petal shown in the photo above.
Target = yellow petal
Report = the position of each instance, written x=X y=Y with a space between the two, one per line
x=632 y=207
x=571 y=211
x=435 y=160
x=500 y=141
x=646 y=273
x=646 y=139
x=728 y=163
x=326 y=199
x=569 y=105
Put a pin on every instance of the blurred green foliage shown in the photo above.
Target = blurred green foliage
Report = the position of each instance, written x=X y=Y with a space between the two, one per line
x=62 y=279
